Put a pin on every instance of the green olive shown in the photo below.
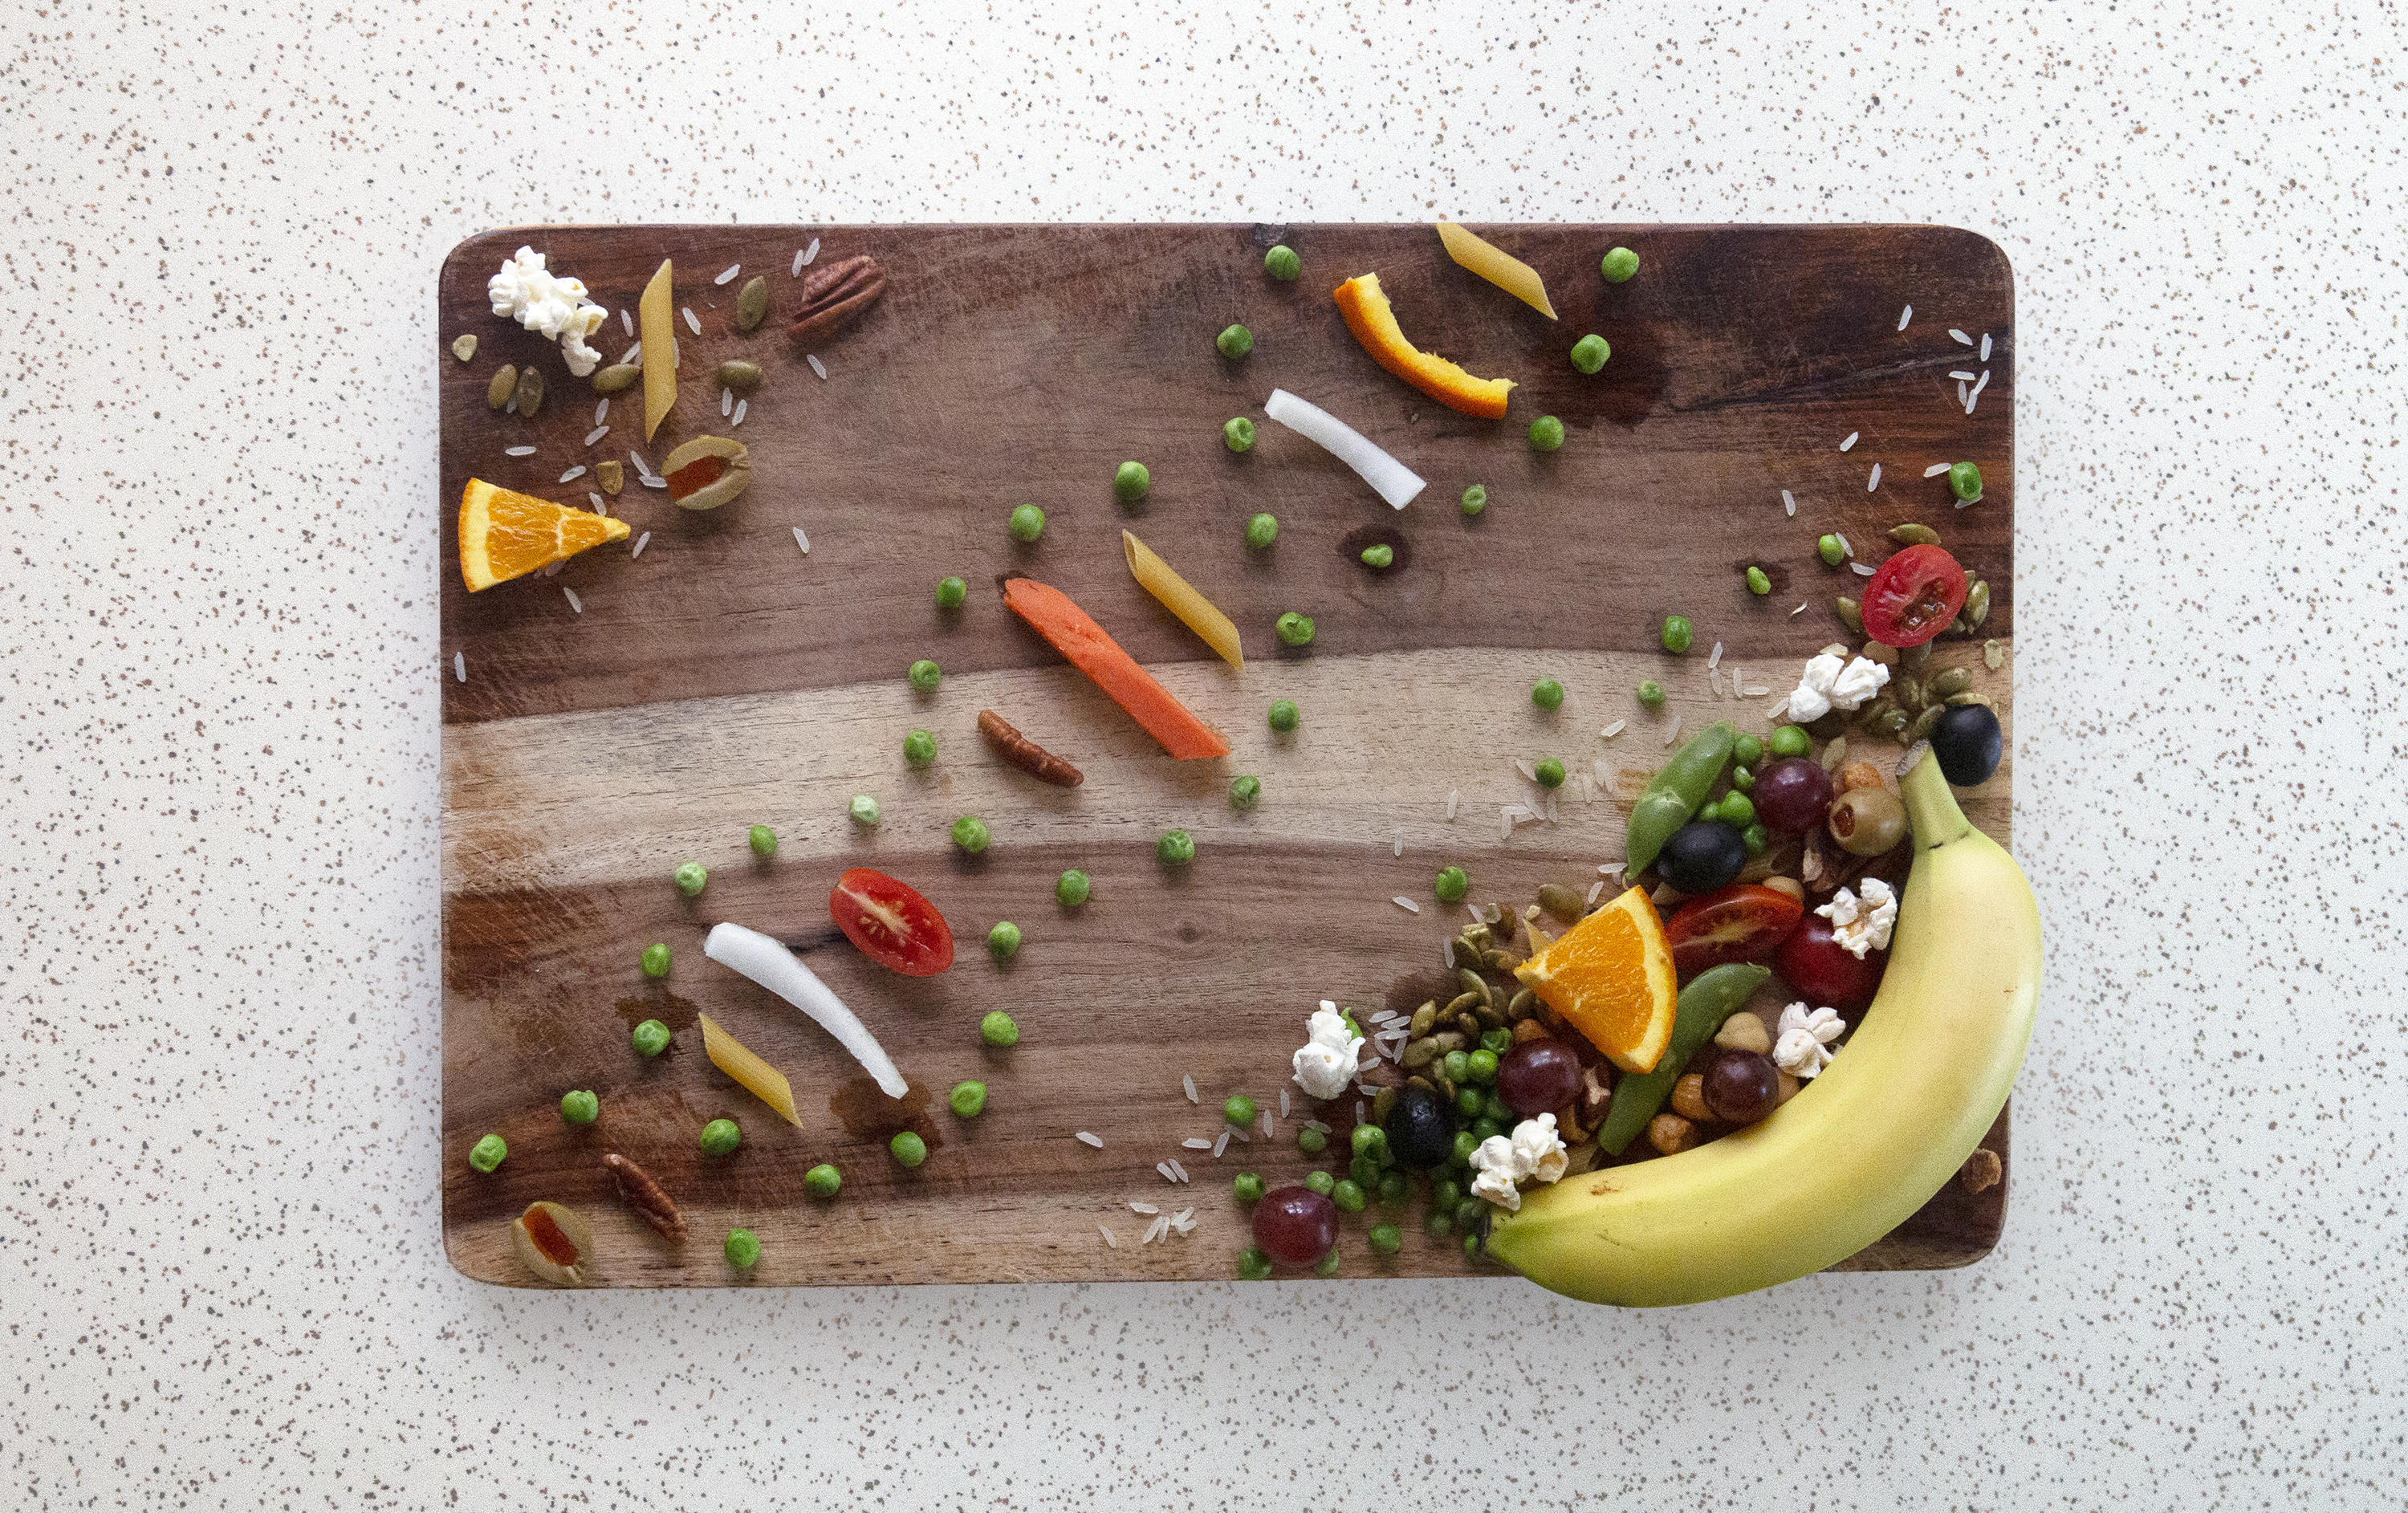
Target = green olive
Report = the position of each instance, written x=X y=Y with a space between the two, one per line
x=1866 y=822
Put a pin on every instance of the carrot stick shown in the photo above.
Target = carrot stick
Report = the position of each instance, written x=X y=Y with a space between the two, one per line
x=1072 y=633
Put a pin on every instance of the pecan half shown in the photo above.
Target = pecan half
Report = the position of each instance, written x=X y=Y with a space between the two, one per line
x=645 y=1196
x=835 y=296
x=1027 y=754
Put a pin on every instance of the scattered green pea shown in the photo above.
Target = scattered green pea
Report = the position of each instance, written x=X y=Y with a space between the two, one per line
x=1550 y=771
x=1385 y=1240
x=1379 y=555
x=1394 y=1189
x=822 y=1180
x=488 y=1153
x=1445 y=1193
x=655 y=959
x=862 y=810
x=1437 y=1226
x=720 y=1137
x=690 y=877
x=1282 y=263
x=1748 y=751
x=909 y=1149
x=952 y=593
x=1368 y=1140
x=996 y=1028
x=1320 y=1182
x=1326 y=1265
x=1758 y=839
x=1237 y=433
x=1475 y=499
x=1789 y=741
x=1651 y=694
x=1003 y=940
x=1239 y=1109
x=1176 y=848
x=1757 y=583
x=1027 y=523
x=919 y=749
x=1485 y=1128
x=1284 y=716
x=579 y=1107
x=1472 y=1247
x=1831 y=549
x=1470 y=1102
x=1481 y=1065
x=971 y=834
x=1072 y=889
x=1246 y=792
x=1465 y=1144
x=1451 y=885
x=926 y=675
x=1676 y=633
x=1262 y=531
x=1254 y=1264
x=1547 y=433
x=1294 y=629
x=1590 y=352
x=1364 y=1172
x=1467 y=1214
x=1235 y=342
x=1458 y=1068
x=1736 y=809
x=967 y=1099
x=743 y=1248
x=1965 y=480
x=763 y=840
x=1618 y=265
x=1131 y=483
x=650 y=1037
x=1743 y=778
x=1547 y=693
x=1349 y=1197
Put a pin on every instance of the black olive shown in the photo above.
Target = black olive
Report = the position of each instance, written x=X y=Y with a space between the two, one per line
x=1419 y=1132
x=1701 y=856
x=1968 y=744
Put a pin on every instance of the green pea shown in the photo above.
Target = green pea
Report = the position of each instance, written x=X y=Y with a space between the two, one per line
x=1320 y=1182
x=1349 y=1197
x=1312 y=1141
x=1590 y=352
x=1294 y=629
x=1547 y=433
x=1451 y=885
x=1458 y=1067
x=1550 y=771
x=1368 y=1140
x=1475 y=499
x=822 y=1180
x=655 y=959
x=1673 y=795
x=1547 y=693
x=690 y=877
x=926 y=675
x=952 y=593
x=968 y=1099
x=1618 y=265
x=1481 y=1065
x=720 y=1137
x=996 y=1028
x=1027 y=523
x=1385 y=1240
x=1437 y=1226
x=1789 y=741
x=1364 y=1172
x=1831 y=549
x=1965 y=480
x=1176 y=849
x=971 y=834
x=1502 y=1112
x=1379 y=555
x=1284 y=716
x=1246 y=792
x=1326 y=1265
x=1003 y=940
x=1676 y=633
x=1465 y=1144
x=1282 y=263
x=1748 y=751
x=1254 y=1264
x=1234 y=342
x=1470 y=1102
x=1743 y=778
x=919 y=749
x=763 y=840
x=488 y=1153
x=1484 y=1128
x=650 y=1037
x=579 y=1107
x=1496 y=1042
x=862 y=810
x=1237 y=433
x=1651 y=694
x=1758 y=839
x=1394 y=1189
x=1131 y=482
x=743 y=1248
x=908 y=1148
x=1262 y=531
x=1445 y=1193
x=1072 y=889
x=1239 y=1109
x=1757 y=583
x=1467 y=1214
x=1736 y=810
x=1248 y=1187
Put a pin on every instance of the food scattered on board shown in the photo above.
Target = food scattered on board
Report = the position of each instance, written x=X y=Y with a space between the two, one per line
x=1492 y=263
x=659 y=344
x=1026 y=755
x=755 y=1075
x=892 y=922
x=555 y=1243
x=706 y=472
x=545 y=302
x=834 y=296
x=1391 y=479
x=1073 y=633
x=1180 y=597
x=1374 y=324
x=768 y=962
x=506 y=534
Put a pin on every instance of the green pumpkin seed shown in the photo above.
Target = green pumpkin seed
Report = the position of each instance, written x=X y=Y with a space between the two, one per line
x=1925 y=724
x=1421 y=1053
x=1982 y=699
x=1382 y=1102
x=610 y=474
x=1907 y=694
x=1955 y=680
x=617 y=377
x=1463 y=1001
x=530 y=392
x=464 y=347
x=1422 y=1083
x=1503 y=961
x=1977 y=605
x=1561 y=902
x=1916 y=656
x=1910 y=534
x=1837 y=649
x=1892 y=725
x=1425 y=1020
x=738 y=375
x=1993 y=653
x=504 y=384
x=1877 y=651
x=1835 y=753
x=1524 y=1005
x=1488 y=1016
x=1849 y=614
x=1446 y=1040
x=1441 y=1083
x=1474 y=982
x=752 y=305
x=1468 y=1024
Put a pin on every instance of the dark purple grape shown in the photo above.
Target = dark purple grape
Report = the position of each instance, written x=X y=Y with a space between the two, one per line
x=1296 y=1224
x=1742 y=1087
x=1791 y=795
x=1419 y=1134
x=1968 y=743
x=1538 y=1077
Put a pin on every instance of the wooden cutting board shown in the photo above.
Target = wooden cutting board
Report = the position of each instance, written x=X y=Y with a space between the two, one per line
x=725 y=679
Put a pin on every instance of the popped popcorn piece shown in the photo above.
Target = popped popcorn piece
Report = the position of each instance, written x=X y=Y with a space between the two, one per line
x=1535 y=1149
x=541 y=301
x=1804 y=1047
x=1827 y=684
x=1862 y=921
x=1325 y=1063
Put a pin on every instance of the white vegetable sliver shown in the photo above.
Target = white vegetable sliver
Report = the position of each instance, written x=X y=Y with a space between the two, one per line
x=766 y=962
x=1390 y=478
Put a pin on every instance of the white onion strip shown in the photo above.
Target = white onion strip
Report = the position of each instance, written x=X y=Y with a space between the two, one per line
x=769 y=962
x=1392 y=479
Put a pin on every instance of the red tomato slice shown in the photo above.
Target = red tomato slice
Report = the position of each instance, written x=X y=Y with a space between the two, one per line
x=1742 y=923
x=1913 y=596
x=891 y=922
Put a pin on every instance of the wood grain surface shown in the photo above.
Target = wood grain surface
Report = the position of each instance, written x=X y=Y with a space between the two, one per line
x=725 y=679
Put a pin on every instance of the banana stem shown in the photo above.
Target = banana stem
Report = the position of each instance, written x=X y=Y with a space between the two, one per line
x=1931 y=804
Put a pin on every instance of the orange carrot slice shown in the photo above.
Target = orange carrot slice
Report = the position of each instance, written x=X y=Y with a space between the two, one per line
x=1075 y=634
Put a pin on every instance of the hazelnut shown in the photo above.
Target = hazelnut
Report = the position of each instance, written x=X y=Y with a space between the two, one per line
x=1789 y=1086
x=1860 y=775
x=1670 y=1135
x=1525 y=1031
x=1744 y=1031
x=1689 y=1098
x=1980 y=1172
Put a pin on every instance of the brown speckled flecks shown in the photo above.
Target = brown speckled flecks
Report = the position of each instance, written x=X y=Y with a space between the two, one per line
x=221 y=1284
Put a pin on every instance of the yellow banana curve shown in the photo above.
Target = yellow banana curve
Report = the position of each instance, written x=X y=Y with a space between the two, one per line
x=1861 y=1146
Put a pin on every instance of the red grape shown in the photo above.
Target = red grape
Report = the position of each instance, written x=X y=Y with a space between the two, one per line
x=1825 y=973
x=1296 y=1224
x=1538 y=1077
x=1791 y=795
x=1742 y=1087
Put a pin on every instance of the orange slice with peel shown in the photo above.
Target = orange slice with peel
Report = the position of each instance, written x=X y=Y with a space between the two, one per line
x=505 y=536
x=1610 y=977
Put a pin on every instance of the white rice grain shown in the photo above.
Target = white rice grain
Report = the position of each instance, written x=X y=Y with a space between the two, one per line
x=643 y=468
x=1851 y=441
x=1317 y=1126
x=1609 y=731
x=1962 y=374
x=817 y=366
x=1873 y=482
x=1477 y=918
x=729 y=275
x=1238 y=1135
x=1109 y=1243
x=726 y=402
x=1220 y=1145
x=1085 y=1138
x=691 y=323
x=653 y=482
x=1399 y=848
x=1977 y=391
x=1788 y=502
x=1715 y=658
x=1960 y=391
x=512 y=408
x=627 y=322
x=1904 y=316
x=1606 y=870
x=596 y=434
x=1715 y=680
x=1986 y=346
x=1267 y=1126
x=1177 y=1169
x=1506 y=833
x=1146 y=1208
x=1777 y=710
x=796 y=271
x=1358 y=1110
x=1521 y=766
x=1935 y=470
x=1800 y=611
x=639 y=546
x=460 y=666
x=742 y=406
x=1449 y=954
x=1674 y=733
x=1594 y=889
x=1188 y=1082
x=803 y=541
x=633 y=354
x=595 y=499
x=1737 y=678
x=810 y=253
x=1596 y=775
x=601 y=410
x=1845 y=549
x=575 y=602
x=1406 y=904
x=1961 y=339
x=518 y=452
x=1196 y=1142
x=1758 y=690
x=1454 y=797
x=573 y=473
x=1861 y=569
x=1283 y=1103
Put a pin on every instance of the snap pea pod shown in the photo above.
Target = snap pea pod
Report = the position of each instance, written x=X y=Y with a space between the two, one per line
x=1712 y=996
x=1675 y=792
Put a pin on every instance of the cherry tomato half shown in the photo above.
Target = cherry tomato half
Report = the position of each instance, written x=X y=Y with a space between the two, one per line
x=1743 y=922
x=891 y=922
x=1825 y=973
x=1913 y=596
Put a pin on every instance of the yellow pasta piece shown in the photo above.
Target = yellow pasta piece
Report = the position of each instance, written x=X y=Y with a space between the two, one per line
x=659 y=336
x=1510 y=274
x=1180 y=597
x=761 y=1079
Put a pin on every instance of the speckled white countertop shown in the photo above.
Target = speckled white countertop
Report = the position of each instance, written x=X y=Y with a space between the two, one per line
x=220 y=1280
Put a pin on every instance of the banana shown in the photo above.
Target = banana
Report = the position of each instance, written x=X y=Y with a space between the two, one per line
x=1863 y=1145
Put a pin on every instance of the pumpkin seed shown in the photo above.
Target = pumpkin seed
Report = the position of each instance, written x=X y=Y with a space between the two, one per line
x=1474 y=982
x=1837 y=649
x=752 y=305
x=1561 y=902
x=1835 y=753
x=504 y=384
x=1524 y=1003
x=1955 y=680
x=738 y=375
x=1877 y=651
x=1446 y=1040
x=1422 y=1083
x=1849 y=614
x=1421 y=1053
x=1488 y=1015
x=1916 y=656
x=1891 y=724
x=1468 y=1024
x=1503 y=961
x=1382 y=1102
x=1993 y=653
x=610 y=474
x=1475 y=941
x=1907 y=694
x=1925 y=724
x=1910 y=534
x=464 y=347
x=530 y=392
x=1982 y=699
x=1441 y=1083
x=1463 y=1001
x=617 y=376
x=1977 y=605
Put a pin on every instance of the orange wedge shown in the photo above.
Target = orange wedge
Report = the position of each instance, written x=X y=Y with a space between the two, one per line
x=505 y=536
x=1611 y=978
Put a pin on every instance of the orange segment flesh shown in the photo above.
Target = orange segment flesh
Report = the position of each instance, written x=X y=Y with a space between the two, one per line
x=1611 y=978
x=505 y=536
